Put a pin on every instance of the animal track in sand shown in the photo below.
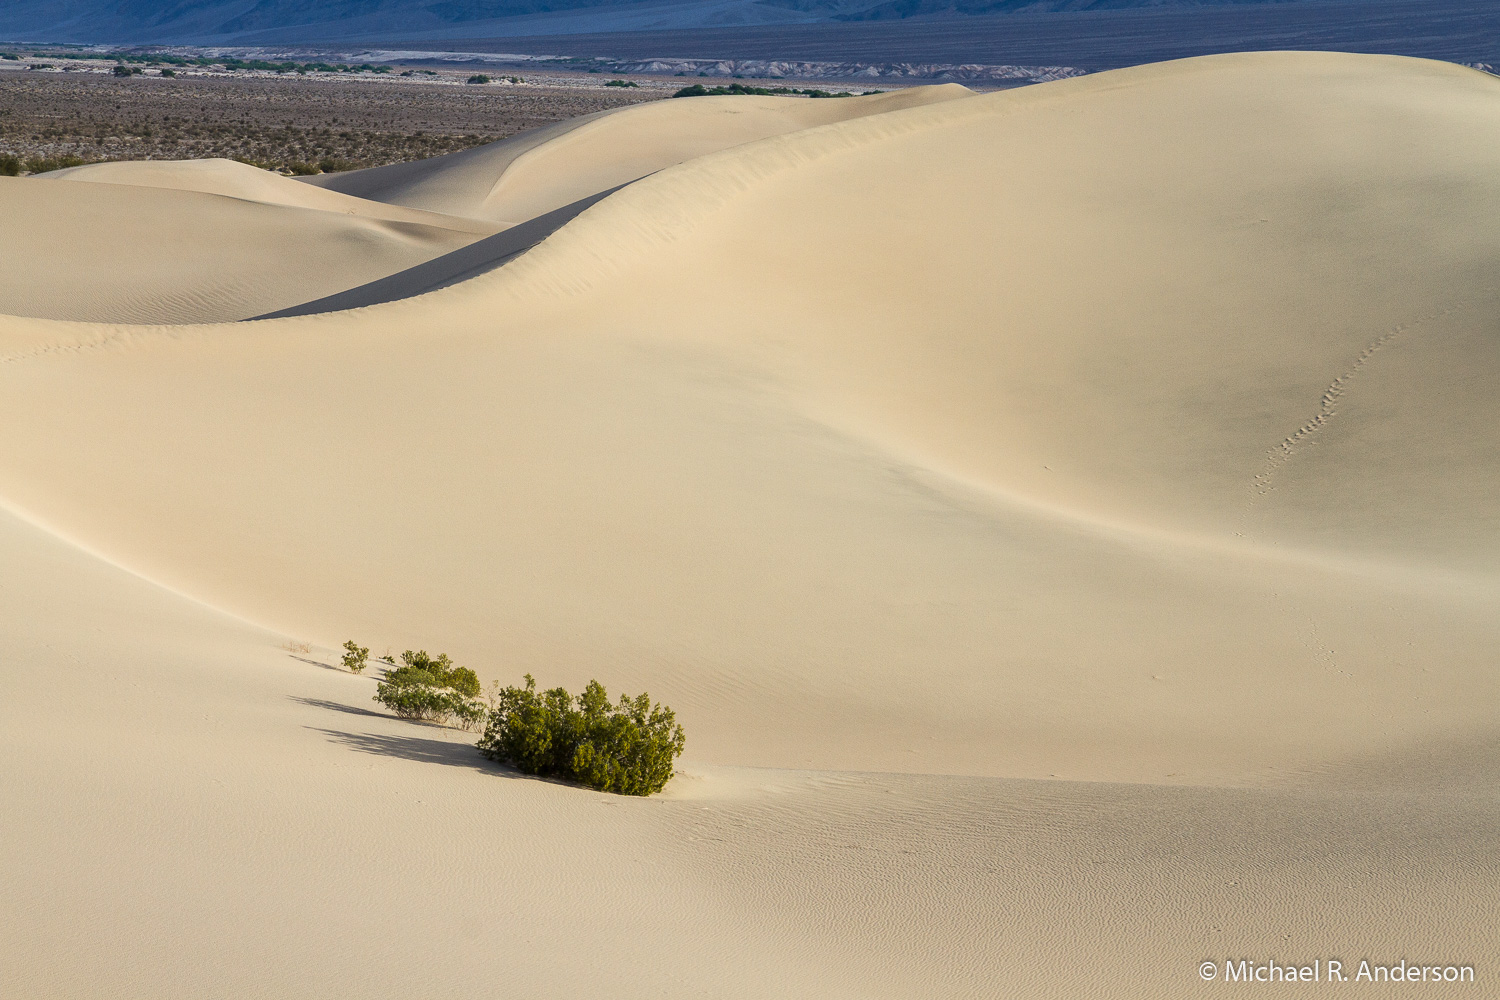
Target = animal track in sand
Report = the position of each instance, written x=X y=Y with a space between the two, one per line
x=1327 y=408
x=1279 y=456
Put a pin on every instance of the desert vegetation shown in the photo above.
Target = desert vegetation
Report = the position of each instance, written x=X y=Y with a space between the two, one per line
x=355 y=657
x=736 y=89
x=137 y=61
x=627 y=748
x=299 y=124
x=432 y=689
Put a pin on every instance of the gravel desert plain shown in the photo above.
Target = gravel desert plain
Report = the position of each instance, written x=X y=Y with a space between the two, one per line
x=1063 y=519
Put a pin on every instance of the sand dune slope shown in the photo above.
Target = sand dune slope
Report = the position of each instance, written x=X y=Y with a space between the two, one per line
x=232 y=179
x=522 y=177
x=1064 y=380
x=193 y=811
x=1065 y=520
x=108 y=252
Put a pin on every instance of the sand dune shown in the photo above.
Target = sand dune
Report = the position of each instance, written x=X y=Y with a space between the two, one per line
x=231 y=179
x=1063 y=518
x=104 y=252
x=542 y=170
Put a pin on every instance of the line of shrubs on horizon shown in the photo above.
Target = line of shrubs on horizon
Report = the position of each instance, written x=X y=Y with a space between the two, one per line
x=228 y=63
x=14 y=166
x=628 y=747
x=734 y=89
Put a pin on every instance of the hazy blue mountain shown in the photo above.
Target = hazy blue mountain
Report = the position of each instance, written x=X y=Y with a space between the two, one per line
x=250 y=22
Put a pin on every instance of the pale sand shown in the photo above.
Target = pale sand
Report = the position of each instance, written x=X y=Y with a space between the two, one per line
x=107 y=252
x=1137 y=430
x=544 y=169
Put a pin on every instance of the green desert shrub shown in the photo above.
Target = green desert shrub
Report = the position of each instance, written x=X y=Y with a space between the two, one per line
x=355 y=656
x=431 y=704
x=446 y=674
x=44 y=164
x=621 y=83
x=168 y=73
x=432 y=689
x=10 y=166
x=627 y=748
x=478 y=78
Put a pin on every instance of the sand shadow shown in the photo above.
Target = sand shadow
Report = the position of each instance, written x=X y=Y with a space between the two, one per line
x=317 y=663
x=430 y=751
x=334 y=706
x=418 y=748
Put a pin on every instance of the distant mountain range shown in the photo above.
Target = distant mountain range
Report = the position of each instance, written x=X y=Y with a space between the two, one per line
x=281 y=22
x=958 y=34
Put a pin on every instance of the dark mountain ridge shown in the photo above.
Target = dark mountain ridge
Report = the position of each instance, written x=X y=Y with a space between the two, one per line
x=248 y=22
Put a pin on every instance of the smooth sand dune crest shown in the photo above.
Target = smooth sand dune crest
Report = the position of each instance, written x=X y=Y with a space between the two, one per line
x=112 y=253
x=1135 y=431
x=543 y=170
x=1296 y=352
x=454 y=183
x=231 y=179
x=681 y=438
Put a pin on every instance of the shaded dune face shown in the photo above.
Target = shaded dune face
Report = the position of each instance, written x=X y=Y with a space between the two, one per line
x=1135 y=427
x=546 y=168
x=1246 y=299
x=216 y=240
x=126 y=253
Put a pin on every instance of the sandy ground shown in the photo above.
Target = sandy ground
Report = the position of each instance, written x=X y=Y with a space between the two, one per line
x=1063 y=519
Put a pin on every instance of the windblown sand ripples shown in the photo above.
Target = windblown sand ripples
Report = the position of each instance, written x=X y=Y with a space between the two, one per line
x=1064 y=520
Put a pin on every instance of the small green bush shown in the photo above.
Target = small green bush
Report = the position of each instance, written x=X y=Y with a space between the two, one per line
x=355 y=656
x=478 y=78
x=10 y=166
x=461 y=679
x=431 y=704
x=628 y=748
x=168 y=73
x=621 y=83
x=44 y=164
x=433 y=690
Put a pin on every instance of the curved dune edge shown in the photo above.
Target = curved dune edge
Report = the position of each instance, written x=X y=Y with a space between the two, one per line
x=216 y=241
x=250 y=798
x=546 y=168
x=242 y=182
x=943 y=740
x=617 y=430
x=119 y=253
